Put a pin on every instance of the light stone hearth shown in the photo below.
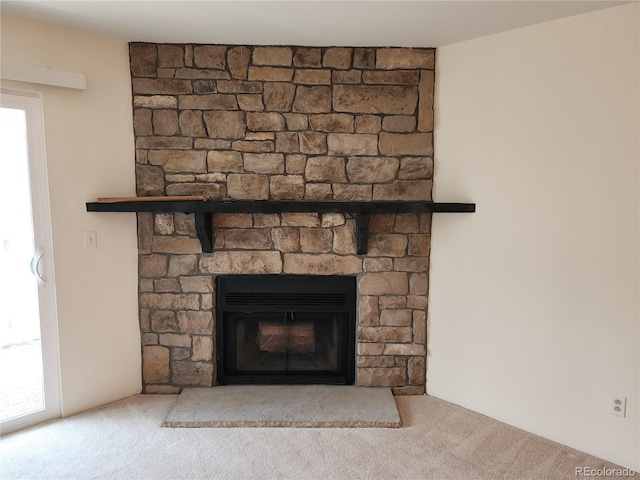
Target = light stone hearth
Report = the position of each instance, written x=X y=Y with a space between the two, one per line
x=286 y=123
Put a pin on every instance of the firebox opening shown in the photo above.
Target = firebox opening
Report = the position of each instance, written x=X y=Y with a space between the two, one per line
x=285 y=329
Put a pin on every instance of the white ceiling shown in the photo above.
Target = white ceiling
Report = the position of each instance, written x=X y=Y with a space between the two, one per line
x=317 y=23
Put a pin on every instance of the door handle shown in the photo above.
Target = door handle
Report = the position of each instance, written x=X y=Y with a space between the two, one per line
x=34 y=266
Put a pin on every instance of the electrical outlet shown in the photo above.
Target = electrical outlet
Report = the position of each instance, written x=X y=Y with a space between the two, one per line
x=619 y=405
x=90 y=240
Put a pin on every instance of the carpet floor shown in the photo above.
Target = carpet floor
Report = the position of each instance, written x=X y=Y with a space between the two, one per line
x=438 y=440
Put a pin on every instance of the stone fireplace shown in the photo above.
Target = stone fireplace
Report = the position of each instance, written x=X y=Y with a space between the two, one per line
x=283 y=123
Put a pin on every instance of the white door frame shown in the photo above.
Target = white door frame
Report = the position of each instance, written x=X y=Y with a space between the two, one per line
x=31 y=103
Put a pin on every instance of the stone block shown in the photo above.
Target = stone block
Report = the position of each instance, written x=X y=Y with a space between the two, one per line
x=337 y=57
x=410 y=58
x=287 y=142
x=396 y=318
x=155 y=101
x=333 y=219
x=209 y=190
x=418 y=284
x=265 y=121
x=149 y=339
x=191 y=123
x=247 y=239
x=196 y=284
x=407 y=223
x=160 y=86
x=181 y=177
x=416 y=371
x=239 y=86
x=166 y=285
x=168 y=301
x=370 y=348
x=170 y=55
x=311 y=76
x=415 y=168
x=261 y=220
x=389 y=99
x=378 y=264
x=250 y=103
x=425 y=104
x=185 y=223
x=153 y=265
x=321 y=169
x=382 y=223
x=296 y=121
x=384 y=283
x=411 y=264
x=318 y=191
x=286 y=239
x=149 y=180
x=349 y=76
x=287 y=187
x=155 y=364
x=364 y=58
x=312 y=142
x=163 y=223
x=384 y=334
x=393 y=301
x=238 y=60
x=321 y=264
x=260 y=136
x=245 y=262
x=403 y=190
x=212 y=101
x=180 y=353
x=222 y=124
x=376 y=361
x=307 y=57
x=381 y=377
x=142 y=122
x=161 y=390
x=146 y=285
x=281 y=56
x=178 y=161
x=209 y=56
x=404 y=349
x=224 y=162
x=332 y=122
x=387 y=245
x=165 y=122
x=348 y=192
x=372 y=169
x=211 y=177
x=211 y=144
x=420 y=327
x=166 y=72
x=344 y=239
x=264 y=162
x=396 y=77
x=196 y=323
x=198 y=73
x=206 y=301
x=202 y=348
x=368 y=124
x=368 y=311
x=143 y=59
x=419 y=245
x=399 y=123
x=176 y=244
x=301 y=220
x=164 y=321
x=232 y=220
x=175 y=340
x=278 y=97
x=312 y=99
x=182 y=265
x=270 y=74
x=248 y=186
x=192 y=374
x=406 y=144
x=316 y=240
x=419 y=302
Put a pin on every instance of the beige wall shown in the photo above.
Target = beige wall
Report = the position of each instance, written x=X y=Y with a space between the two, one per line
x=534 y=299
x=89 y=148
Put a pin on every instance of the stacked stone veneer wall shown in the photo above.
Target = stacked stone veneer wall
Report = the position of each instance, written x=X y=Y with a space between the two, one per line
x=294 y=123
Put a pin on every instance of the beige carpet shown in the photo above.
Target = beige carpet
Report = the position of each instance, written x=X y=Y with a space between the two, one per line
x=318 y=406
x=438 y=440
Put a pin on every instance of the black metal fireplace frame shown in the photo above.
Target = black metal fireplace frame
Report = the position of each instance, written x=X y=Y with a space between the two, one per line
x=281 y=293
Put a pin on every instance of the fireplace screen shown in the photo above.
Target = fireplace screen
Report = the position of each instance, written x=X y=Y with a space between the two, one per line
x=285 y=329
